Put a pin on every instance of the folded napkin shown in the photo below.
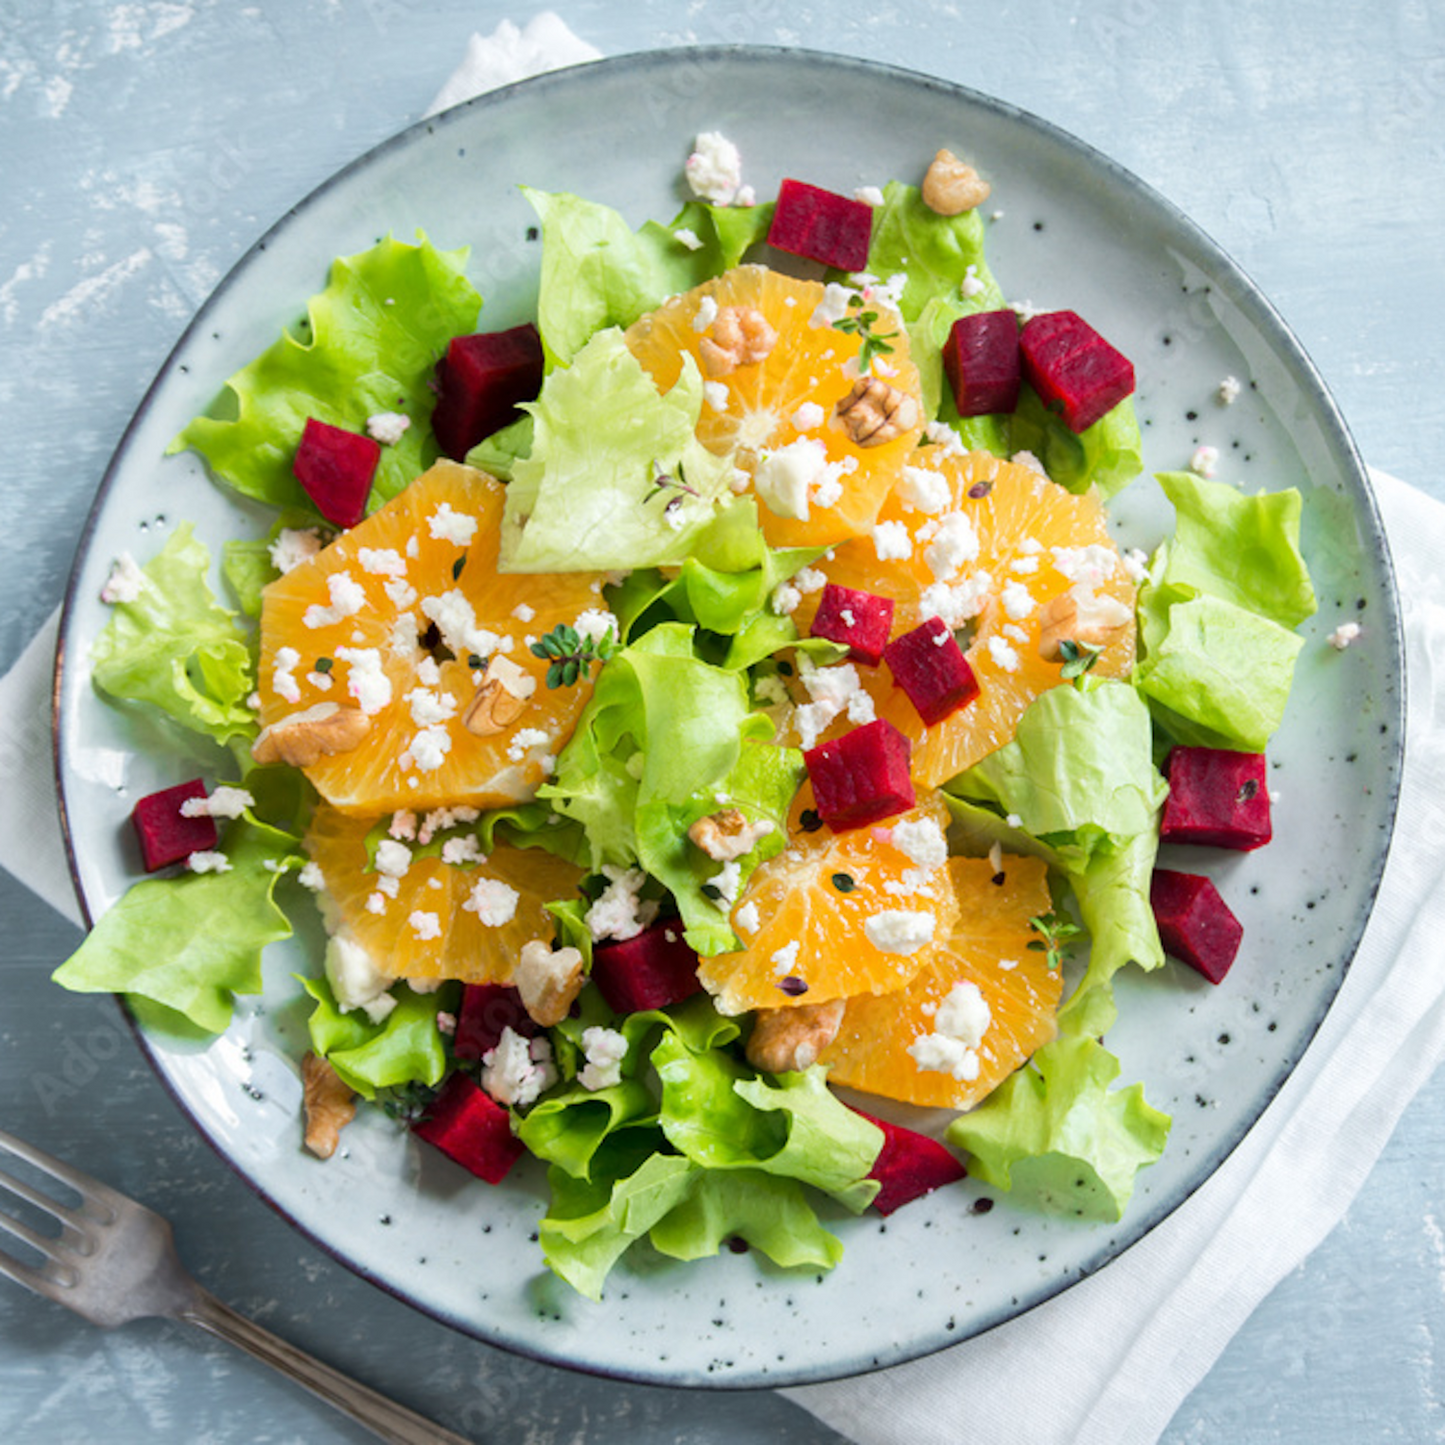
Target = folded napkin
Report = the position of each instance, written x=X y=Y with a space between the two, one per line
x=1126 y=1345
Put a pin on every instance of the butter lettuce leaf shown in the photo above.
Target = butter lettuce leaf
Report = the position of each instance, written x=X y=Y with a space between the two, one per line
x=405 y=1047
x=586 y=497
x=367 y=344
x=1056 y=1135
x=1107 y=455
x=176 y=648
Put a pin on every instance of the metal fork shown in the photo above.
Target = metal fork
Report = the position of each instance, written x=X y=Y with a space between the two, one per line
x=115 y=1260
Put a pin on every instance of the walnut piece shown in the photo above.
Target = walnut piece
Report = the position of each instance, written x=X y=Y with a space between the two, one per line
x=727 y=835
x=952 y=186
x=875 y=412
x=500 y=698
x=549 y=981
x=740 y=336
x=787 y=1039
x=330 y=1105
x=304 y=738
x=1079 y=616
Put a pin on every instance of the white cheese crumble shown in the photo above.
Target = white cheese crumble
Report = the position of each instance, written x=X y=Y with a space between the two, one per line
x=746 y=919
x=347 y=595
x=387 y=427
x=869 y=195
x=428 y=750
x=971 y=286
x=392 y=858
x=705 y=315
x=463 y=850
x=206 y=860
x=292 y=547
x=382 y=561
x=785 y=959
x=356 y=982
x=1028 y=461
x=524 y=740
x=518 y=1069
x=727 y=880
x=619 y=912
x=1136 y=565
x=439 y=819
x=957 y=604
x=604 y=1049
x=493 y=901
x=891 y=542
x=954 y=543
x=784 y=599
x=223 y=802
x=1342 y=636
x=366 y=680
x=714 y=170
x=962 y=1020
x=1228 y=391
x=126 y=581
x=1004 y=654
x=897 y=930
x=686 y=236
x=447 y=525
x=1092 y=565
x=923 y=489
x=425 y=925
x=595 y=624
x=716 y=394
x=921 y=841
x=283 y=683
x=834 y=305
x=1205 y=461
x=783 y=476
x=833 y=690
x=311 y=876
x=808 y=416
x=457 y=623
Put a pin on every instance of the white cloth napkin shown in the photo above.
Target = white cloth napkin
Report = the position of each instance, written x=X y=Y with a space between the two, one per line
x=1128 y=1344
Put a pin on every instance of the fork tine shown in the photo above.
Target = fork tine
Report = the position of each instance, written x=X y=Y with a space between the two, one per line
x=43 y=1244
x=91 y=1191
x=24 y=1274
x=43 y=1202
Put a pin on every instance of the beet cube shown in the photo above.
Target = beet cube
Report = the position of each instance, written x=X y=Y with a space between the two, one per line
x=1216 y=797
x=480 y=382
x=981 y=359
x=1195 y=923
x=335 y=468
x=929 y=665
x=1073 y=369
x=650 y=970
x=166 y=834
x=909 y=1165
x=861 y=777
x=471 y=1129
x=821 y=226
x=858 y=620
x=487 y=1009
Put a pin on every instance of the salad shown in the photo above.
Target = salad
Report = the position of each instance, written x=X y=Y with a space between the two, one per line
x=701 y=716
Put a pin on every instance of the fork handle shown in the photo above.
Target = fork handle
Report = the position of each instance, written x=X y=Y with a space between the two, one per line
x=383 y=1417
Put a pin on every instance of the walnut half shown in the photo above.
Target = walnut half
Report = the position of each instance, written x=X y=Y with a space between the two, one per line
x=728 y=834
x=330 y=1105
x=303 y=738
x=740 y=336
x=875 y=412
x=500 y=698
x=1079 y=616
x=549 y=981
x=787 y=1039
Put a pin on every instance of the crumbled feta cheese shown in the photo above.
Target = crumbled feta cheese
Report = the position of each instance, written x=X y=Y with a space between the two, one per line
x=428 y=750
x=311 y=877
x=971 y=286
x=808 y=416
x=923 y=489
x=524 y=740
x=292 y=547
x=1024 y=310
x=382 y=561
x=429 y=707
x=687 y=237
x=834 y=305
x=447 y=525
x=518 y=1069
x=869 y=195
x=828 y=484
x=1092 y=565
x=897 y=930
x=784 y=599
x=785 y=959
x=208 y=861
x=462 y=850
x=366 y=680
x=126 y=581
x=604 y=1049
x=943 y=436
x=619 y=912
x=891 y=542
x=224 y=802
x=440 y=819
x=283 y=683
x=1136 y=564
x=494 y=902
x=1029 y=461
x=714 y=170
x=1004 y=654
x=595 y=624
x=705 y=315
x=809 y=579
x=356 y=982
x=770 y=691
x=746 y=919
x=959 y=1025
x=387 y=427
x=921 y=841
x=1014 y=632
x=1343 y=635
x=954 y=543
x=727 y=880
x=348 y=597
x=1205 y=461
x=1018 y=601
x=957 y=604
x=425 y=925
x=392 y=858
x=1228 y=391
x=402 y=825
x=783 y=477
x=716 y=394
x=457 y=623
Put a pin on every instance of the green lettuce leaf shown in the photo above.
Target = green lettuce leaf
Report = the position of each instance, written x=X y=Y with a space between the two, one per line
x=1107 y=455
x=191 y=943
x=176 y=648
x=405 y=1047
x=368 y=344
x=587 y=497
x=1055 y=1134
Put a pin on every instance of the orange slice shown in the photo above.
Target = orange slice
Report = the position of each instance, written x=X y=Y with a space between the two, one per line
x=988 y=948
x=787 y=398
x=395 y=616
x=1022 y=542
x=835 y=915
x=435 y=923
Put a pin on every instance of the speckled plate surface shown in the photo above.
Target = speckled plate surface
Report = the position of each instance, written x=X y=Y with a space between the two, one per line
x=1075 y=231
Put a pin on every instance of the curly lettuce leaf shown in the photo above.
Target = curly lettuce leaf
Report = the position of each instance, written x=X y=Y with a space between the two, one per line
x=597 y=272
x=1107 y=455
x=405 y=1047
x=176 y=648
x=368 y=344
x=1054 y=1133
x=586 y=497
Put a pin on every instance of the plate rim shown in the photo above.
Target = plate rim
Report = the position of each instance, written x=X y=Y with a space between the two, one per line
x=1247 y=296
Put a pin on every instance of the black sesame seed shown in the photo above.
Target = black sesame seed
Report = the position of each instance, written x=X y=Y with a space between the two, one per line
x=793 y=986
x=843 y=882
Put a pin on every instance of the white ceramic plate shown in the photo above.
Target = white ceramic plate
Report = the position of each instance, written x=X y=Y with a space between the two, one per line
x=1076 y=231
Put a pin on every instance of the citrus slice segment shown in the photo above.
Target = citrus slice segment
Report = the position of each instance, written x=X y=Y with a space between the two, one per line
x=834 y=915
x=778 y=411
x=988 y=545
x=437 y=919
x=988 y=948
x=395 y=618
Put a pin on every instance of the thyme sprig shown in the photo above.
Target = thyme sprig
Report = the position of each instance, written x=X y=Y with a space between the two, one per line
x=1078 y=658
x=861 y=323
x=568 y=654
x=1054 y=932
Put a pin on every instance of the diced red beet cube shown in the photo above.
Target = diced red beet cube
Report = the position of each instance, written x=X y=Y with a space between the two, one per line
x=861 y=777
x=982 y=361
x=471 y=1129
x=821 y=226
x=650 y=970
x=166 y=834
x=929 y=665
x=487 y=1009
x=909 y=1165
x=335 y=468
x=480 y=382
x=1216 y=797
x=1073 y=368
x=1196 y=925
x=858 y=620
